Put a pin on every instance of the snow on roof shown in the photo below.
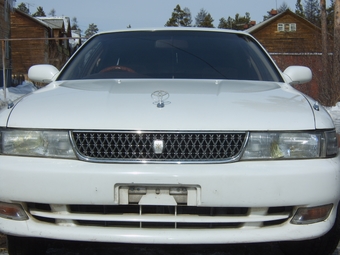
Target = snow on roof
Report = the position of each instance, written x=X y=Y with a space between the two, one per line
x=56 y=22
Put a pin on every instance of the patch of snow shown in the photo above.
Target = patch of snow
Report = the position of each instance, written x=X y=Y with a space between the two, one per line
x=14 y=93
x=335 y=114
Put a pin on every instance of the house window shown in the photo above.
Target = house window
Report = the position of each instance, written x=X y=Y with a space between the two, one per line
x=292 y=27
x=286 y=27
x=280 y=27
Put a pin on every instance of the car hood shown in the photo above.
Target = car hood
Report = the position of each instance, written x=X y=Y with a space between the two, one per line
x=189 y=105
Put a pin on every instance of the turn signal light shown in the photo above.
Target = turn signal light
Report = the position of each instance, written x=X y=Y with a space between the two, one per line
x=12 y=211
x=308 y=215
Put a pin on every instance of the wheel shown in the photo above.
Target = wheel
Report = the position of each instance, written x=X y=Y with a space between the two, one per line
x=324 y=245
x=26 y=246
x=117 y=68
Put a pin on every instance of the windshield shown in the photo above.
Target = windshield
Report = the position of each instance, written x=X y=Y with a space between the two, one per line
x=171 y=55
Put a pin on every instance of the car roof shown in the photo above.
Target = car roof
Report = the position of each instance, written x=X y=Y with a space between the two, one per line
x=178 y=29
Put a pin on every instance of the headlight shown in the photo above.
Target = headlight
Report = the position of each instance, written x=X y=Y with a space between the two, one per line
x=290 y=145
x=36 y=143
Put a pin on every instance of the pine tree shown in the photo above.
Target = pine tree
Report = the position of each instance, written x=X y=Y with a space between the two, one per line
x=39 y=13
x=312 y=12
x=223 y=23
x=241 y=22
x=199 y=19
x=92 y=29
x=238 y=23
x=204 y=19
x=208 y=21
x=22 y=7
x=186 y=22
x=299 y=9
x=179 y=18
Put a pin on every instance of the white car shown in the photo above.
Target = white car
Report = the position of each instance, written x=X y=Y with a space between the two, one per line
x=170 y=136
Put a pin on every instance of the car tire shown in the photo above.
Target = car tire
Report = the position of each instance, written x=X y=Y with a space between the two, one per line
x=324 y=245
x=26 y=246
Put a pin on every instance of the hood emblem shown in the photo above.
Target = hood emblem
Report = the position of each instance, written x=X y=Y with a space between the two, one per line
x=158 y=146
x=159 y=98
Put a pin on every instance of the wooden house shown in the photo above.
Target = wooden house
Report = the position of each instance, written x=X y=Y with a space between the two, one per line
x=38 y=41
x=292 y=40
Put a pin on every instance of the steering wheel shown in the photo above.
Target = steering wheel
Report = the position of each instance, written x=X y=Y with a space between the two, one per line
x=119 y=68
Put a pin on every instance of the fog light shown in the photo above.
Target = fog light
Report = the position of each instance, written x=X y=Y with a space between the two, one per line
x=12 y=211
x=308 y=215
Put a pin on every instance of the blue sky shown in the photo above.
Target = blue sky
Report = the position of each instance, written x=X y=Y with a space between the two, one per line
x=114 y=14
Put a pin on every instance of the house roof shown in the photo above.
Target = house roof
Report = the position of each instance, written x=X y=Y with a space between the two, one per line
x=56 y=22
x=276 y=17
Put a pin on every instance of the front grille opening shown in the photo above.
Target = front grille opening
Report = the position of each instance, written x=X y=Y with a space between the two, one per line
x=158 y=225
x=132 y=216
x=104 y=209
x=117 y=224
x=39 y=207
x=280 y=210
x=149 y=209
x=46 y=220
x=209 y=225
x=273 y=223
x=42 y=208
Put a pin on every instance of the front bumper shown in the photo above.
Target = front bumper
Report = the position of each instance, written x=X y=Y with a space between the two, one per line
x=249 y=201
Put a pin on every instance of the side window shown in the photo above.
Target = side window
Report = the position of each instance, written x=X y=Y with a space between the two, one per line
x=87 y=60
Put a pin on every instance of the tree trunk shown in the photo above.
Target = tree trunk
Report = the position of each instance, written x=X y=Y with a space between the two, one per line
x=324 y=86
x=336 y=50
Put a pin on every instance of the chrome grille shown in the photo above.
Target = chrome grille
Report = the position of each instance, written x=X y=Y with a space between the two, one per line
x=175 y=146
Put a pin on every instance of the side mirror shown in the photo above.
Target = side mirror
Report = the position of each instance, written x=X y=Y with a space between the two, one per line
x=42 y=73
x=297 y=75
